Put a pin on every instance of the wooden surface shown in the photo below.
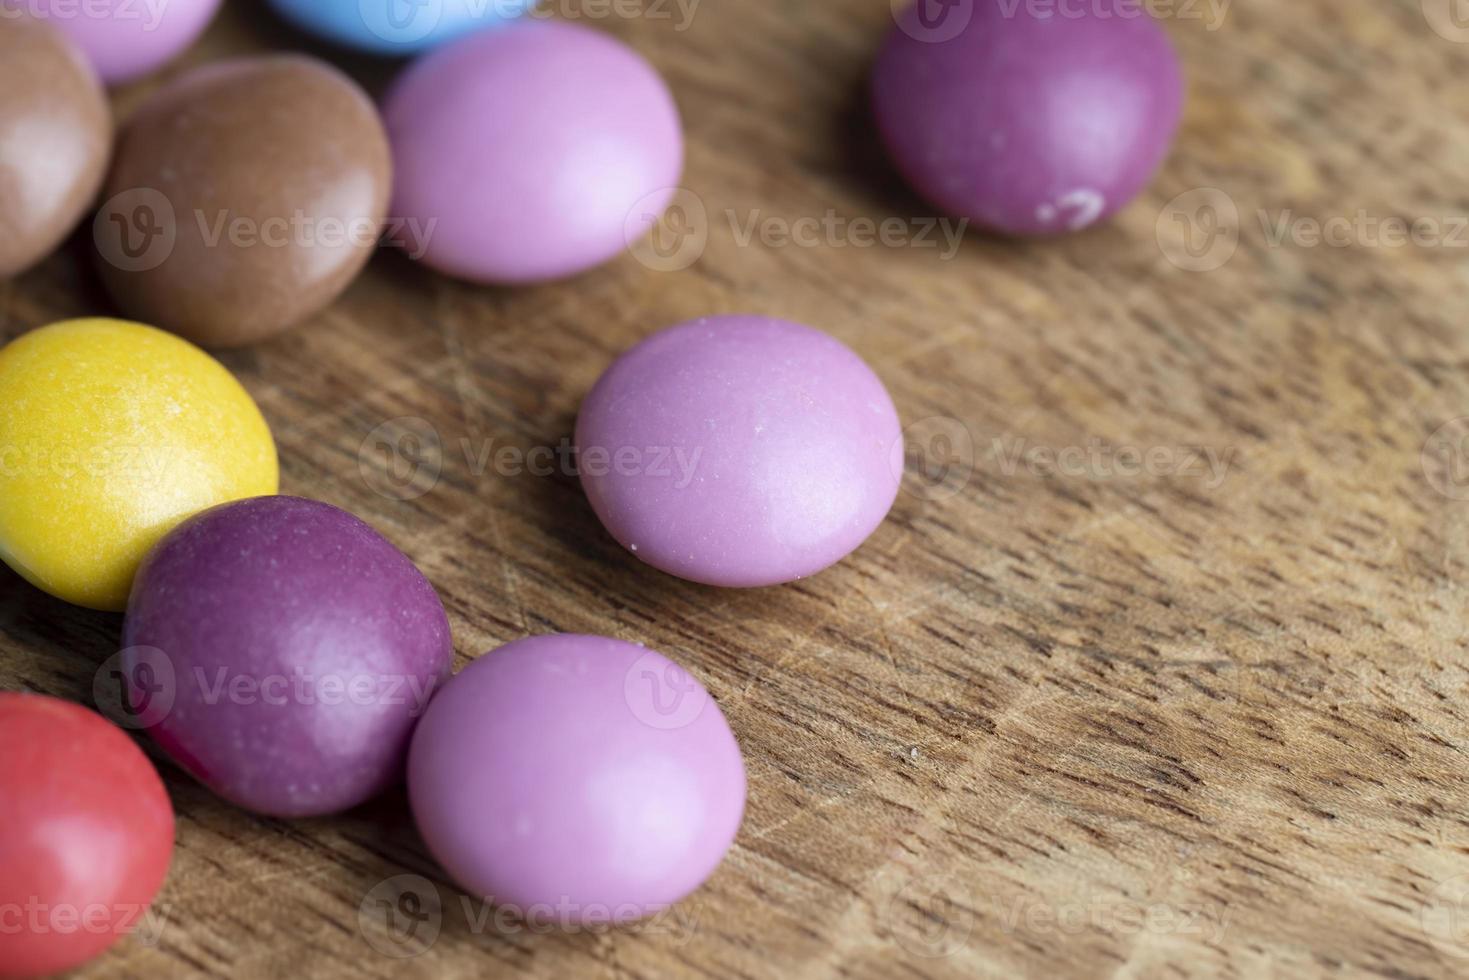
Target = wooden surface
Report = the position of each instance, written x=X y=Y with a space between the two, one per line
x=1091 y=722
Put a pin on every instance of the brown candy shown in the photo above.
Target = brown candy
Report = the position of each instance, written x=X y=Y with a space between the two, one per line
x=55 y=135
x=245 y=197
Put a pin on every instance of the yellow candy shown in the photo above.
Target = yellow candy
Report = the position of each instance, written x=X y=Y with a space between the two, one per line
x=112 y=433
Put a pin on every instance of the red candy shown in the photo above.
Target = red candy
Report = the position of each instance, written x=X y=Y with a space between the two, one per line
x=86 y=834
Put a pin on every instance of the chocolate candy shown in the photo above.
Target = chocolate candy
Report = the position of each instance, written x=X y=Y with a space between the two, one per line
x=245 y=197
x=126 y=39
x=740 y=451
x=1028 y=121
x=524 y=154
x=281 y=651
x=393 y=27
x=576 y=779
x=88 y=835
x=111 y=434
x=55 y=136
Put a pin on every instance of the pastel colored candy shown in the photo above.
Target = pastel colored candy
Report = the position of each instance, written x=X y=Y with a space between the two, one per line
x=281 y=651
x=88 y=835
x=112 y=433
x=523 y=154
x=126 y=39
x=740 y=451
x=1028 y=121
x=395 y=27
x=55 y=138
x=576 y=779
x=245 y=197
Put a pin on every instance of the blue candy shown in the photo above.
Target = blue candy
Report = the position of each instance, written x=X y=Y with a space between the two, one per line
x=398 y=27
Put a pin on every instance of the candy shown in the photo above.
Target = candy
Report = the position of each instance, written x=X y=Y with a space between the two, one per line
x=523 y=155
x=281 y=651
x=740 y=451
x=1028 y=121
x=576 y=779
x=126 y=39
x=393 y=27
x=55 y=136
x=111 y=433
x=245 y=197
x=88 y=835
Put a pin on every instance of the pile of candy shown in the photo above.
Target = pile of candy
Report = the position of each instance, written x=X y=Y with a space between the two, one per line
x=282 y=651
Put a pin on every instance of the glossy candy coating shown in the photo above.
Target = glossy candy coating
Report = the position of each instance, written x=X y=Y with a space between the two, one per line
x=576 y=779
x=1029 y=121
x=393 y=27
x=55 y=138
x=528 y=150
x=281 y=651
x=88 y=835
x=740 y=451
x=126 y=39
x=111 y=433
x=245 y=197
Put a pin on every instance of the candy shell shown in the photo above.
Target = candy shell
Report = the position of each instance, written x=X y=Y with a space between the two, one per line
x=245 y=197
x=523 y=154
x=126 y=39
x=55 y=138
x=392 y=27
x=740 y=451
x=111 y=433
x=1029 y=121
x=576 y=779
x=281 y=651
x=88 y=835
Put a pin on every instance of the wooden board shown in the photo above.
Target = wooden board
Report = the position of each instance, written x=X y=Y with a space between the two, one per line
x=1065 y=715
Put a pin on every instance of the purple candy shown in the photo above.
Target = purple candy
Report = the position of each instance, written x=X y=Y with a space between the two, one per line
x=125 y=39
x=523 y=154
x=1029 y=119
x=576 y=779
x=281 y=651
x=740 y=451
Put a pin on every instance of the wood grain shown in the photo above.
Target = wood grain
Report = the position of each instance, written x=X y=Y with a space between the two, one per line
x=1052 y=723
